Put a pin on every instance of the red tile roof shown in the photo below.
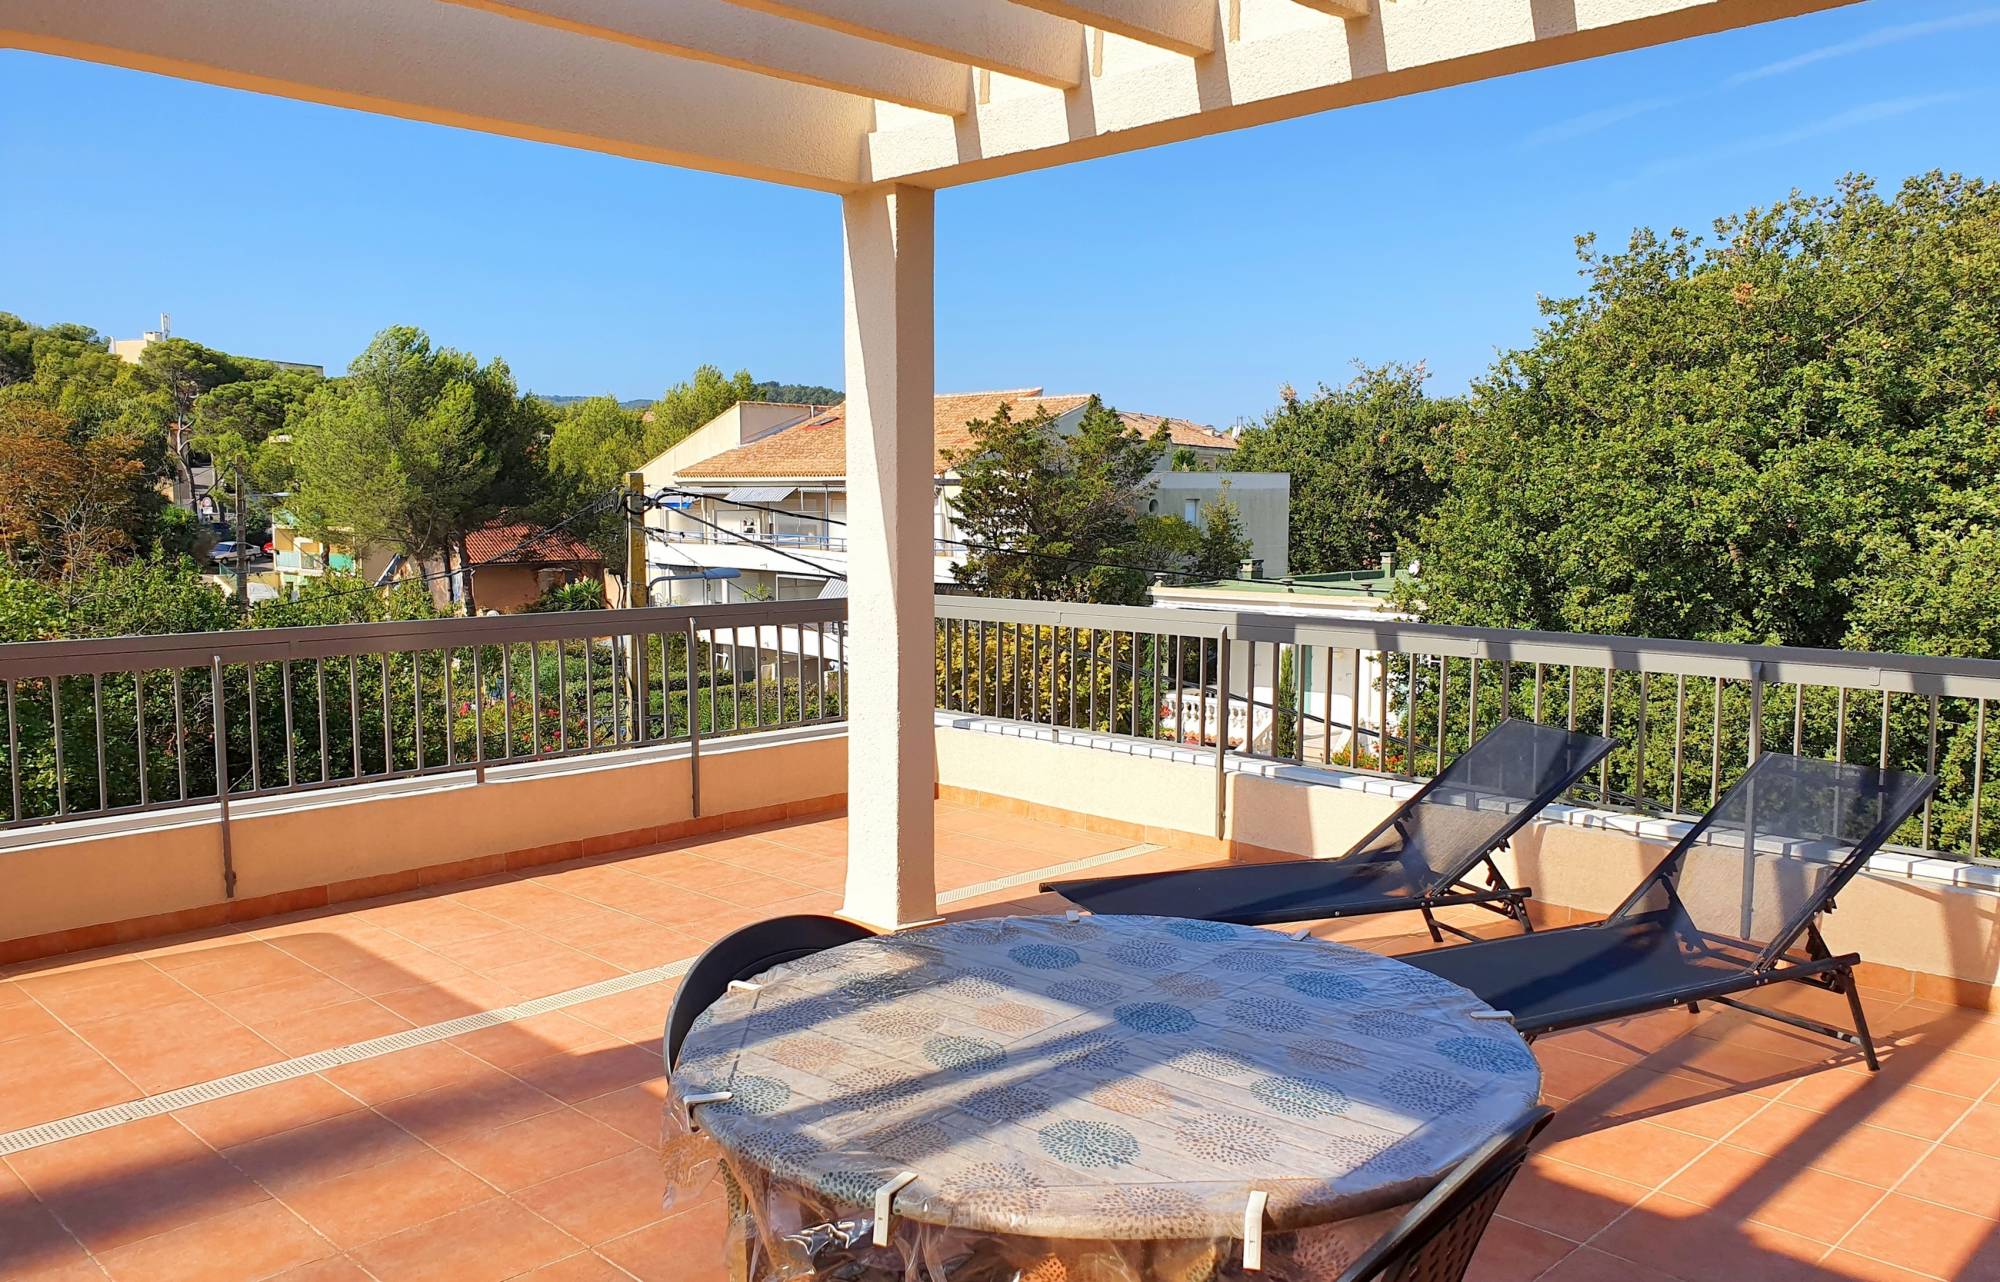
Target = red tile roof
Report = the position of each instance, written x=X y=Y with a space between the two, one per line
x=817 y=447
x=517 y=543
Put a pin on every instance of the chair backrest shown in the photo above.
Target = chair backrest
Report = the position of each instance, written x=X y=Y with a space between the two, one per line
x=1485 y=795
x=1779 y=844
x=1435 y=1241
x=745 y=952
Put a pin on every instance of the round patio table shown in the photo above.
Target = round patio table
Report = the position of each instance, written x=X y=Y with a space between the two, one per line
x=1110 y=1098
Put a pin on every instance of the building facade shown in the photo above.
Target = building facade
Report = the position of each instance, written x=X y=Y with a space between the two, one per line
x=756 y=499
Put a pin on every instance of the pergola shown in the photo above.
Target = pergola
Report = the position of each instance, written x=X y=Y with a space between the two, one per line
x=881 y=102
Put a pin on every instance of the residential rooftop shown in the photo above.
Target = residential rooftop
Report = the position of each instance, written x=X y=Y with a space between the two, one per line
x=816 y=448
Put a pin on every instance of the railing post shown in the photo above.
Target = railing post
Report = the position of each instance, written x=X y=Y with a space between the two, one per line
x=694 y=721
x=1222 y=735
x=1757 y=712
x=222 y=775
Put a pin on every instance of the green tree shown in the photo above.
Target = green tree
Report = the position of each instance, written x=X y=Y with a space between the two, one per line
x=1739 y=437
x=1368 y=461
x=1054 y=516
x=416 y=447
x=595 y=442
x=686 y=406
x=184 y=371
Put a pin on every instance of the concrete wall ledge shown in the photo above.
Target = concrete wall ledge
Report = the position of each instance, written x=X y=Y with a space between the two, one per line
x=1652 y=828
x=94 y=882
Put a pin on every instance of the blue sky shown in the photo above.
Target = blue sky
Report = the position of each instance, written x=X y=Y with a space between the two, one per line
x=1190 y=280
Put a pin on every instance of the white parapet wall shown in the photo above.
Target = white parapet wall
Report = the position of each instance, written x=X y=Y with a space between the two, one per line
x=98 y=881
x=1931 y=925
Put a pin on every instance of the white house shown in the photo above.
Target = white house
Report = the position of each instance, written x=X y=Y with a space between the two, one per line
x=764 y=494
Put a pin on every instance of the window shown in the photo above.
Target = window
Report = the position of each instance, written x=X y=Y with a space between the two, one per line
x=1191 y=511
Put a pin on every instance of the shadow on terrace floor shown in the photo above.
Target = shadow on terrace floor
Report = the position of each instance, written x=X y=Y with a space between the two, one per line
x=1698 y=1148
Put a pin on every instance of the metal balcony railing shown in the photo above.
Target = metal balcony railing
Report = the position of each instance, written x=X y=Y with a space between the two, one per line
x=1401 y=698
x=123 y=724
x=101 y=727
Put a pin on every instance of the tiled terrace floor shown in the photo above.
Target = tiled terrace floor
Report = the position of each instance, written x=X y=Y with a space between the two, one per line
x=1708 y=1149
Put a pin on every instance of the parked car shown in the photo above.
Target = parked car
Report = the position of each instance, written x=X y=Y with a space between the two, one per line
x=224 y=551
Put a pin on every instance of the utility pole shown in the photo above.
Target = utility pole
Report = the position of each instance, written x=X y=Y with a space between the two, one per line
x=637 y=597
x=242 y=565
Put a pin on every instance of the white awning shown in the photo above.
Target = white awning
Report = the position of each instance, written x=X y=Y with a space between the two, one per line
x=759 y=494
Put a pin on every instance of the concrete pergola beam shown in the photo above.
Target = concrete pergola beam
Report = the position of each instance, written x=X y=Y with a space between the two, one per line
x=749 y=40
x=1186 y=27
x=1290 y=62
x=993 y=34
x=451 y=65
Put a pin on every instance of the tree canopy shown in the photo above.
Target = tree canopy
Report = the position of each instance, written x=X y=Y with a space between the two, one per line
x=1058 y=516
x=1367 y=461
x=415 y=448
x=1787 y=431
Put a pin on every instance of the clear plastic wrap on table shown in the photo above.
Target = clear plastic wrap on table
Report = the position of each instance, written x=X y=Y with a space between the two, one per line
x=1090 y=1100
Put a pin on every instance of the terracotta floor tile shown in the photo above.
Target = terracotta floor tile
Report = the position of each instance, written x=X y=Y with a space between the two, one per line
x=730 y=884
x=584 y=1075
x=442 y=922
x=359 y=1207
x=248 y=964
x=266 y=1111
x=235 y=1246
x=1846 y=1266
x=178 y=1045
x=435 y=1002
x=477 y=1106
x=338 y=952
x=128 y=1199
x=54 y=1074
x=1978 y=1130
x=602 y=1201
x=103 y=992
x=405 y=1073
x=1957 y=1178
x=526 y=1040
x=1586 y=1264
x=1801 y=1137
x=1913 y=1110
x=322 y=1151
x=1749 y=1186
x=33 y=1243
x=391 y=974
x=535 y=1149
x=681 y=1248
x=341 y=1024
x=335 y=1268
x=1703 y=1245
x=260 y=1004
x=25 y=1018
x=634 y=1110
x=1639 y=1152
x=586 y=1266
x=482 y=1243
x=1514 y=1252
x=1570 y=1201
x=1681 y=1103
x=641 y=945
x=559 y=969
x=1930 y=1239
x=635 y=1014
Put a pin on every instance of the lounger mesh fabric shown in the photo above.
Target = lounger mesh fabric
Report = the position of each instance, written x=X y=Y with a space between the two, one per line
x=1514 y=766
x=1769 y=852
x=1414 y=859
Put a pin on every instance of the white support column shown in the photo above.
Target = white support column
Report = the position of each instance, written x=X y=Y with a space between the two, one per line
x=890 y=653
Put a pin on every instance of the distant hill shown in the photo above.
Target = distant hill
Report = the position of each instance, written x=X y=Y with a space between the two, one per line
x=640 y=404
x=788 y=393
x=799 y=394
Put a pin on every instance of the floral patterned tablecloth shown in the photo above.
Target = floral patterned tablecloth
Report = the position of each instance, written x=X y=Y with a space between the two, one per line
x=1103 y=1079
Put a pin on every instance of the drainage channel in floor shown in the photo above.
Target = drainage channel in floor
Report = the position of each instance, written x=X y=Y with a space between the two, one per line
x=319 y=1061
